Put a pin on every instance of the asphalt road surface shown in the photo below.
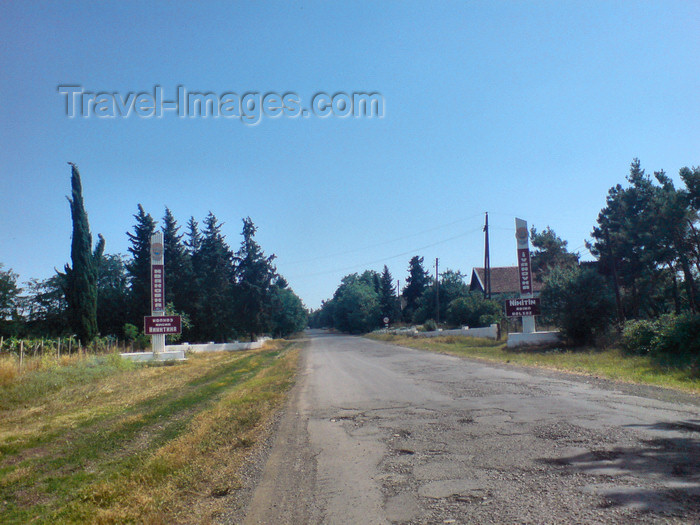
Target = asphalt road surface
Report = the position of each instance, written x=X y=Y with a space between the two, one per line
x=375 y=433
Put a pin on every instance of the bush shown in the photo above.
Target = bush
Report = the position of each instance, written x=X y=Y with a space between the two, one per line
x=638 y=336
x=430 y=326
x=579 y=301
x=131 y=332
x=473 y=310
x=678 y=335
x=668 y=335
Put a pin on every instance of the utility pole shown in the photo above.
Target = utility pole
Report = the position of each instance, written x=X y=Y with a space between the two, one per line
x=437 y=293
x=487 y=261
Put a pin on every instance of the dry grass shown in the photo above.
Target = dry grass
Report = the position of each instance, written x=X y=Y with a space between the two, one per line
x=140 y=444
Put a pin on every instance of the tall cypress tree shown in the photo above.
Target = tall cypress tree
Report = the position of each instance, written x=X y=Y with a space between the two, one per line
x=139 y=267
x=80 y=280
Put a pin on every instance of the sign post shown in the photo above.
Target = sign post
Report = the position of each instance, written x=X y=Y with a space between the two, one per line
x=162 y=324
x=523 y=307
x=524 y=271
x=157 y=289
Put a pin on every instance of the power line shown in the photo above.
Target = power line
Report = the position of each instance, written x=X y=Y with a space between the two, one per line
x=383 y=243
x=403 y=254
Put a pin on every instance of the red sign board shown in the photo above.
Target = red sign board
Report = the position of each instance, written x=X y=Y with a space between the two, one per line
x=522 y=307
x=162 y=325
x=157 y=288
x=524 y=271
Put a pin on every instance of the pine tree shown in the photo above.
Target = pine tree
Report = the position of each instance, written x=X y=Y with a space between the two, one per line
x=194 y=238
x=178 y=264
x=550 y=252
x=215 y=274
x=643 y=240
x=139 y=268
x=416 y=284
x=254 y=276
x=80 y=281
x=387 y=296
x=194 y=303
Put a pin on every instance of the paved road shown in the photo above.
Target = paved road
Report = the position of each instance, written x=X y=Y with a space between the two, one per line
x=376 y=433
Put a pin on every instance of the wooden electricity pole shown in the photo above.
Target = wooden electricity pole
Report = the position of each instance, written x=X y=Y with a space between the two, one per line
x=437 y=293
x=487 y=261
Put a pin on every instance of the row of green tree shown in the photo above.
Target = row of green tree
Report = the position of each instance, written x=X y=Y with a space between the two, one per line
x=643 y=286
x=363 y=301
x=221 y=294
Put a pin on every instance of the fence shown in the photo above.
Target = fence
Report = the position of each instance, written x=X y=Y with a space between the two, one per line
x=62 y=346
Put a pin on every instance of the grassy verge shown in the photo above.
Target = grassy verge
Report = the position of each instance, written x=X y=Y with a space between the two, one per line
x=609 y=363
x=109 y=441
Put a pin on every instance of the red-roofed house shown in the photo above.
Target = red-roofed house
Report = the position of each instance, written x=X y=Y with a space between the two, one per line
x=504 y=280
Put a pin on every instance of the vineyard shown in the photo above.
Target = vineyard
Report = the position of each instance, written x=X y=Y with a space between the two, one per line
x=19 y=356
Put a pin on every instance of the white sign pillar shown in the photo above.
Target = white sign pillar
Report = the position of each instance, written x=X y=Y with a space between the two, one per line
x=157 y=288
x=522 y=235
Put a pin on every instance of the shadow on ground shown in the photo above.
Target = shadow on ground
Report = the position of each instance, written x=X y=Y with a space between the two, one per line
x=660 y=475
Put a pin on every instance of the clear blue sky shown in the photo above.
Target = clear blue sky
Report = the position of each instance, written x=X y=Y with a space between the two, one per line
x=529 y=109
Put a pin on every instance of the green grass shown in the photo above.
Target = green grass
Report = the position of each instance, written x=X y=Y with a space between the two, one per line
x=114 y=442
x=609 y=363
x=51 y=377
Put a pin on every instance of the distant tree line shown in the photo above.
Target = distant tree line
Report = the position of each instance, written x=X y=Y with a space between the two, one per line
x=363 y=301
x=222 y=294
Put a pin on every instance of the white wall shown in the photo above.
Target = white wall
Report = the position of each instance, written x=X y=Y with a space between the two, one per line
x=487 y=332
x=217 y=347
x=533 y=339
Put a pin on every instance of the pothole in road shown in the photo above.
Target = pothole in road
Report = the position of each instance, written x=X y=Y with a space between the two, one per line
x=565 y=432
x=344 y=418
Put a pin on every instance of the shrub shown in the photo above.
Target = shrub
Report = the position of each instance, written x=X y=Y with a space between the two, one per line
x=131 y=332
x=430 y=326
x=638 y=336
x=678 y=335
x=473 y=310
x=667 y=335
